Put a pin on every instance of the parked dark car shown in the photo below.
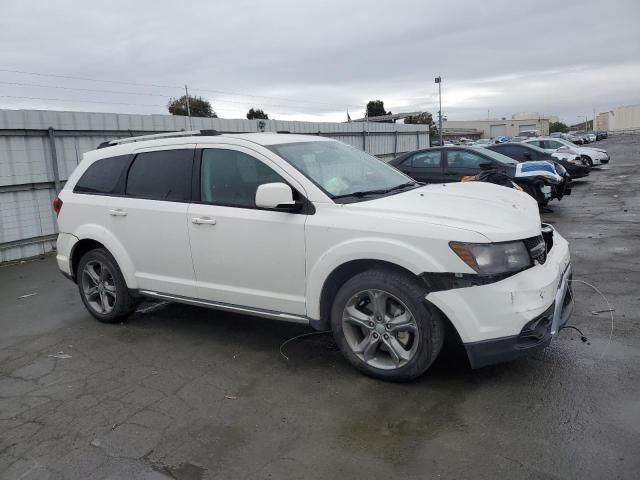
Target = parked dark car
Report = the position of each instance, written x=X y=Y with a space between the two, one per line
x=453 y=163
x=602 y=134
x=525 y=152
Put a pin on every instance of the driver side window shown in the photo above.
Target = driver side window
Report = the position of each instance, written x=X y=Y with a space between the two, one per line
x=231 y=178
x=426 y=160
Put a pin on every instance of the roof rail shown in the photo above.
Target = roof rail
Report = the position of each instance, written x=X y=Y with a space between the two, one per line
x=192 y=133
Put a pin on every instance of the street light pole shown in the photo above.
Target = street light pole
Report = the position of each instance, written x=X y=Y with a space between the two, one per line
x=439 y=82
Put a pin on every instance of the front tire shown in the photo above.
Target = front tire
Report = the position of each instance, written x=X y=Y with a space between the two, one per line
x=102 y=287
x=384 y=326
x=588 y=161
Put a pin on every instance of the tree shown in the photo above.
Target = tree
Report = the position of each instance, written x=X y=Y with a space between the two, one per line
x=257 y=114
x=558 y=127
x=423 y=118
x=198 y=106
x=375 y=108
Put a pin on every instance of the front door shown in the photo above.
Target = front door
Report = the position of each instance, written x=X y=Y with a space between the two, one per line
x=243 y=255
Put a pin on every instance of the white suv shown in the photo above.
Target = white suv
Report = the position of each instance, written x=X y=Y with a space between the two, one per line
x=310 y=230
x=558 y=146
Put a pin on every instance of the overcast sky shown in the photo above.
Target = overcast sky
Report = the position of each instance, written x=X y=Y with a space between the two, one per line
x=314 y=60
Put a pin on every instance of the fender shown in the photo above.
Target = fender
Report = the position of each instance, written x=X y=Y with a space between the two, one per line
x=92 y=231
x=399 y=253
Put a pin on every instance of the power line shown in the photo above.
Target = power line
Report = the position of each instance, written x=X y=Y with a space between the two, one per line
x=81 y=89
x=71 y=77
x=216 y=101
x=120 y=82
x=81 y=101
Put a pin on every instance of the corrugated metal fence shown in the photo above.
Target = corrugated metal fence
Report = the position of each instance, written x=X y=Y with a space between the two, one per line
x=40 y=148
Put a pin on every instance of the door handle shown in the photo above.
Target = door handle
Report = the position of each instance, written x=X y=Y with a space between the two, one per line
x=203 y=220
x=117 y=212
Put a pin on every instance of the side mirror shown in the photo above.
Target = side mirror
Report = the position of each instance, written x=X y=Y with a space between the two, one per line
x=486 y=166
x=275 y=195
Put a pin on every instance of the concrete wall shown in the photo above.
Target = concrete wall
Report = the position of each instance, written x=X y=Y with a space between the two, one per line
x=30 y=172
x=619 y=118
x=512 y=126
x=625 y=118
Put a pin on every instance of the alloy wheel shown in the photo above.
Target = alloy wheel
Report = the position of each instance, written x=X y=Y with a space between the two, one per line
x=98 y=287
x=380 y=329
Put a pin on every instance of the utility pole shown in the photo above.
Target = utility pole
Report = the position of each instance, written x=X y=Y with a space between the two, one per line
x=439 y=82
x=186 y=92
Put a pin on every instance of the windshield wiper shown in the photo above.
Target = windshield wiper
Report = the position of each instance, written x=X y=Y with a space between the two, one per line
x=380 y=191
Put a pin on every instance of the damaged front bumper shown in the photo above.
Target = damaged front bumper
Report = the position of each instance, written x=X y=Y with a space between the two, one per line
x=500 y=321
x=535 y=335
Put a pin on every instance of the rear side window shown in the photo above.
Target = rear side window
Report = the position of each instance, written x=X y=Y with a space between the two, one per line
x=464 y=159
x=426 y=160
x=103 y=176
x=552 y=144
x=163 y=175
x=509 y=151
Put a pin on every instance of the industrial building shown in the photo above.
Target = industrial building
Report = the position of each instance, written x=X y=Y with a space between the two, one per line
x=489 y=128
x=619 y=118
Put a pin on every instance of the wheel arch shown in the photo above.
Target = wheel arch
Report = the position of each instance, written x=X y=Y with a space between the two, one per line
x=91 y=237
x=344 y=272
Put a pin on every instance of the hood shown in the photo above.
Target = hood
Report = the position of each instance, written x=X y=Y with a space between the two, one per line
x=498 y=213
x=601 y=150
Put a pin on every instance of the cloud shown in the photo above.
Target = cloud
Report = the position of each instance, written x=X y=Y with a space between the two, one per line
x=315 y=60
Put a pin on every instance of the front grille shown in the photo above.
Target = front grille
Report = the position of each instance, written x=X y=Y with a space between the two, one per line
x=537 y=248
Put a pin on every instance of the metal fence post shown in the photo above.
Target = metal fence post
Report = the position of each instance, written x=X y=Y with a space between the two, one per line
x=364 y=140
x=418 y=139
x=395 y=145
x=54 y=159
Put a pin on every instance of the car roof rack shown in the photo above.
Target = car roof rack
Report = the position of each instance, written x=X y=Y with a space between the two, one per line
x=191 y=133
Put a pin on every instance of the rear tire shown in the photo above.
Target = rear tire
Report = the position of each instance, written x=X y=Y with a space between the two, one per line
x=384 y=326
x=102 y=287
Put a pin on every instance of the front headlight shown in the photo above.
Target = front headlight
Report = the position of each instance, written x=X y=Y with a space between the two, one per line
x=493 y=258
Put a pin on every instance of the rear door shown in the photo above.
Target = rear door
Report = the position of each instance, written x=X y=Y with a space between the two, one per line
x=150 y=219
x=462 y=163
x=425 y=166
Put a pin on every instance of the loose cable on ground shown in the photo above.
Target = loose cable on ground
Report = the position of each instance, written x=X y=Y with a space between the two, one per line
x=610 y=310
x=297 y=337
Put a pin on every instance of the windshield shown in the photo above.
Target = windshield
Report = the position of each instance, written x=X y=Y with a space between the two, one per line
x=497 y=156
x=342 y=171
